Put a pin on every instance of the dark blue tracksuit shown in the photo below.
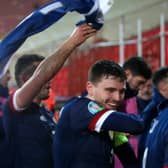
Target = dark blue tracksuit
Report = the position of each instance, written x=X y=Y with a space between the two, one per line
x=156 y=147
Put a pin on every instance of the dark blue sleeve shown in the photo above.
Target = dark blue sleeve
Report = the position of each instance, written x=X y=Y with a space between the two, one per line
x=88 y=114
x=122 y=122
x=151 y=110
x=166 y=148
x=149 y=113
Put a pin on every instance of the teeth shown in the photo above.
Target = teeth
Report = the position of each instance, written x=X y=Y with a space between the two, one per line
x=111 y=104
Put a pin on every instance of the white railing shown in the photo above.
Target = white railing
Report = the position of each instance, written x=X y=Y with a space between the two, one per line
x=139 y=41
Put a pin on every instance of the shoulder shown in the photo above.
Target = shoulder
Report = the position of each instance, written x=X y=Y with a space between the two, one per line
x=81 y=106
x=76 y=102
x=84 y=103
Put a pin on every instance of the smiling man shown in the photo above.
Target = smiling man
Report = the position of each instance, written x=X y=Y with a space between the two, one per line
x=84 y=134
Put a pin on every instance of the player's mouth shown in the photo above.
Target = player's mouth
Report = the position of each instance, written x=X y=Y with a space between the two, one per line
x=112 y=106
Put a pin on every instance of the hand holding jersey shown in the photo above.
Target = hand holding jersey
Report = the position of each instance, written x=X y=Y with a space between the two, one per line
x=50 y=66
x=95 y=16
x=41 y=19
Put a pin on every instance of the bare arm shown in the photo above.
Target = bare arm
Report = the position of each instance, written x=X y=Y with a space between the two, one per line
x=51 y=65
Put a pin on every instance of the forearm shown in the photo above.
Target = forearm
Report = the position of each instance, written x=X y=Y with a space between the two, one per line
x=44 y=72
x=50 y=66
x=116 y=121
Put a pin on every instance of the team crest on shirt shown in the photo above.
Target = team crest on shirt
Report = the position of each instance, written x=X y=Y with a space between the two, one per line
x=94 y=107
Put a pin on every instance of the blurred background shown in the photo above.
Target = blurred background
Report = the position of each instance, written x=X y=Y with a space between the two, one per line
x=132 y=27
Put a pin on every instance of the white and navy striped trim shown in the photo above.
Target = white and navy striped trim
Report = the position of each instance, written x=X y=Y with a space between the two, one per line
x=99 y=119
x=13 y=103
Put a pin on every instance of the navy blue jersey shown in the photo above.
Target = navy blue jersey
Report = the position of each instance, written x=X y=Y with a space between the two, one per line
x=82 y=137
x=156 y=151
x=142 y=103
x=152 y=107
x=2 y=101
x=3 y=98
x=4 y=91
x=28 y=135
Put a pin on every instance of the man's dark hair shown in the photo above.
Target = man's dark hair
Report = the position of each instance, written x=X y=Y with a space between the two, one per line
x=105 y=68
x=26 y=65
x=138 y=67
x=160 y=75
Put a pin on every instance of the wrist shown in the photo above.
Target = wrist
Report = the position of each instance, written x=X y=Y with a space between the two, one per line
x=71 y=43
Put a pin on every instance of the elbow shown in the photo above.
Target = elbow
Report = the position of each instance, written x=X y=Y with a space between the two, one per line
x=140 y=127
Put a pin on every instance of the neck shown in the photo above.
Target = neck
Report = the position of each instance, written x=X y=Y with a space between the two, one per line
x=37 y=101
x=90 y=97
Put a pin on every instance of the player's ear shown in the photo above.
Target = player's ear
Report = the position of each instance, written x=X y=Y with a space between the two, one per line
x=89 y=88
x=128 y=74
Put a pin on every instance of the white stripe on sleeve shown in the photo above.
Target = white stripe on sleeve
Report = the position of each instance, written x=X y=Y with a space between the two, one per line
x=50 y=7
x=16 y=107
x=101 y=120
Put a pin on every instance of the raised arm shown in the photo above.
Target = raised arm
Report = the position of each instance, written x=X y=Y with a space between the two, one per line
x=51 y=65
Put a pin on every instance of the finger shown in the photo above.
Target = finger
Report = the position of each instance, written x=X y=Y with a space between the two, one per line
x=90 y=35
x=90 y=31
x=86 y=27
